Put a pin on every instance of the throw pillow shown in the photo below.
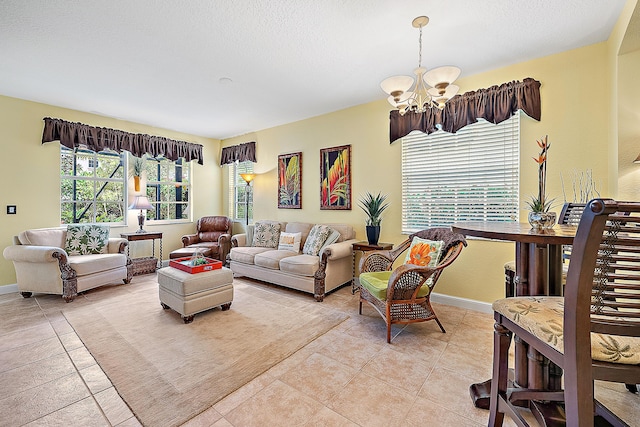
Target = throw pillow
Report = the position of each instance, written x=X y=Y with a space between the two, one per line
x=332 y=238
x=317 y=236
x=290 y=242
x=266 y=235
x=424 y=252
x=84 y=239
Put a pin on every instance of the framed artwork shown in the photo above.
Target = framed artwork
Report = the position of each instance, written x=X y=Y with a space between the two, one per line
x=290 y=181
x=335 y=178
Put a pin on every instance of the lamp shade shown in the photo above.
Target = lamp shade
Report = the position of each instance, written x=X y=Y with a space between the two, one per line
x=396 y=85
x=248 y=177
x=447 y=74
x=447 y=93
x=140 y=202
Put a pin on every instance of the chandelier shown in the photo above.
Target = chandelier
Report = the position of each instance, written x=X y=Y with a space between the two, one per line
x=430 y=89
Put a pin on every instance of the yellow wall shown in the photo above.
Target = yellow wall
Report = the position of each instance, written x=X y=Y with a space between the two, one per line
x=580 y=91
x=576 y=122
x=31 y=170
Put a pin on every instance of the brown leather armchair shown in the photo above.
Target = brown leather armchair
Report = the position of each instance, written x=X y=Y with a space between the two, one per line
x=212 y=239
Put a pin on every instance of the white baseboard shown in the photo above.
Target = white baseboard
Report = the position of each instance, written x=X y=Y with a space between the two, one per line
x=469 y=304
x=8 y=289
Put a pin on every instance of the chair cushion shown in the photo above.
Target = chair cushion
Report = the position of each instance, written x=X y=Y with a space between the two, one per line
x=84 y=239
x=376 y=282
x=317 y=236
x=543 y=317
x=290 y=242
x=266 y=234
x=424 y=252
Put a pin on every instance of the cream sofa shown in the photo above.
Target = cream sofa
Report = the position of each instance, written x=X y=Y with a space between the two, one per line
x=318 y=275
x=43 y=266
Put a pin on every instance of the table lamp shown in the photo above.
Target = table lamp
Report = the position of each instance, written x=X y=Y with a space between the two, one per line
x=140 y=202
x=248 y=177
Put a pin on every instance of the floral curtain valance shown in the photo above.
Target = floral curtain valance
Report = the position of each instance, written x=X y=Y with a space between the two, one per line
x=495 y=104
x=73 y=135
x=241 y=153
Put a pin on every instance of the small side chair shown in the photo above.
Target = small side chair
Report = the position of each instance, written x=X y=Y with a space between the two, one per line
x=404 y=294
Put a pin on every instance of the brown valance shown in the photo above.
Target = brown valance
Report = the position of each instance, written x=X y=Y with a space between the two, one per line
x=495 y=104
x=73 y=135
x=241 y=153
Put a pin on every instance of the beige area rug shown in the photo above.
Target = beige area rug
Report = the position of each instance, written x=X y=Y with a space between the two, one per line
x=168 y=371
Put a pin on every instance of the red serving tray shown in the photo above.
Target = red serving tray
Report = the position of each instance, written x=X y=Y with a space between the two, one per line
x=183 y=264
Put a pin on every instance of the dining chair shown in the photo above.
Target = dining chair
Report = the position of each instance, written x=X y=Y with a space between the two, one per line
x=404 y=294
x=593 y=332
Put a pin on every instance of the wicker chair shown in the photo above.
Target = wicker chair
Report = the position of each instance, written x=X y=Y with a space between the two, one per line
x=593 y=332
x=408 y=292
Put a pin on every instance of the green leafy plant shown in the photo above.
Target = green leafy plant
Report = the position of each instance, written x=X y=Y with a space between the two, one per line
x=373 y=206
x=540 y=203
x=137 y=166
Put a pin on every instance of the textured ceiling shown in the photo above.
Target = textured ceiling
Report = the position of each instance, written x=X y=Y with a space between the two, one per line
x=161 y=62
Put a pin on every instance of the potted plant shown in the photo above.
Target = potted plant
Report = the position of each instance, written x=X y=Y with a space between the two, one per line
x=539 y=215
x=137 y=167
x=373 y=206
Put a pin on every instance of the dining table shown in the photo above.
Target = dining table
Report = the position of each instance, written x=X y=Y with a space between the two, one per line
x=538 y=255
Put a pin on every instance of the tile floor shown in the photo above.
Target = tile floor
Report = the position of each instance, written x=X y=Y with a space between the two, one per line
x=347 y=377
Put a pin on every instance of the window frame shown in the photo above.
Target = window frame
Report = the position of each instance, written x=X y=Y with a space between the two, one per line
x=154 y=184
x=93 y=163
x=459 y=171
x=237 y=191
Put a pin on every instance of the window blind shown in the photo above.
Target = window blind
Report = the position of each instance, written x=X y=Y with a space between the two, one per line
x=472 y=175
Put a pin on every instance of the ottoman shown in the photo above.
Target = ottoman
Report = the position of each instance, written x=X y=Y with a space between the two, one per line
x=189 y=294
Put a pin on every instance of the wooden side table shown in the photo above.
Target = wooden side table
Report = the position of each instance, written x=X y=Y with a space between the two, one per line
x=364 y=247
x=133 y=237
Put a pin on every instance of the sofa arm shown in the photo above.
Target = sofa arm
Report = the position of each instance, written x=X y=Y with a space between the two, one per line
x=33 y=253
x=239 y=240
x=340 y=250
x=189 y=239
x=117 y=245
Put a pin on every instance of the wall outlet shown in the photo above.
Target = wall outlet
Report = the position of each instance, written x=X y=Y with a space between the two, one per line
x=11 y=209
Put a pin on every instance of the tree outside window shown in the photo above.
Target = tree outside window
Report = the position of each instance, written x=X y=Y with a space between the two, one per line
x=92 y=187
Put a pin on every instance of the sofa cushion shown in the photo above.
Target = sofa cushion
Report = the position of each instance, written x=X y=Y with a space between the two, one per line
x=317 y=236
x=332 y=238
x=300 y=227
x=302 y=265
x=266 y=234
x=94 y=263
x=246 y=254
x=271 y=259
x=84 y=239
x=290 y=242
x=44 y=237
x=346 y=231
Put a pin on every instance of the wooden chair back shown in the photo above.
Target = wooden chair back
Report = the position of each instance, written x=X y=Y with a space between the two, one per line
x=602 y=295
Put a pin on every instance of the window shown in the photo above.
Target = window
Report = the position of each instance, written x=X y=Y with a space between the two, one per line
x=168 y=189
x=238 y=191
x=472 y=175
x=92 y=186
